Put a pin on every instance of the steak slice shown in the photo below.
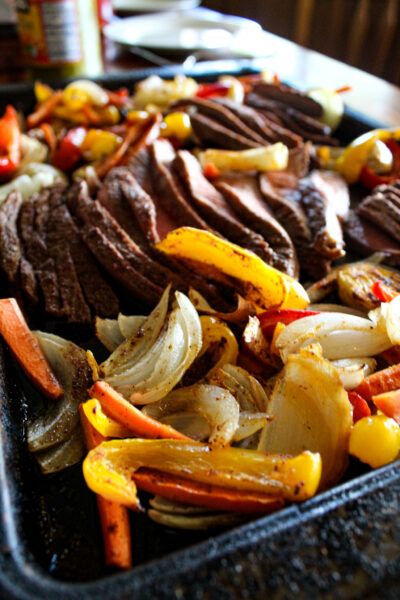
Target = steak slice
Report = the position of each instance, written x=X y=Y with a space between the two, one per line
x=141 y=167
x=118 y=267
x=224 y=114
x=28 y=280
x=296 y=121
x=113 y=198
x=382 y=208
x=287 y=208
x=139 y=204
x=58 y=237
x=209 y=131
x=244 y=196
x=334 y=188
x=256 y=121
x=213 y=206
x=92 y=213
x=10 y=246
x=168 y=191
x=37 y=254
x=366 y=238
x=289 y=96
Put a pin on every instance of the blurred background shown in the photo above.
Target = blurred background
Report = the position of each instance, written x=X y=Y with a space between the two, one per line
x=362 y=33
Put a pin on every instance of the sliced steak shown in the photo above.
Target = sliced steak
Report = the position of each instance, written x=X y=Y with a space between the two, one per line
x=289 y=96
x=97 y=291
x=244 y=196
x=58 y=236
x=140 y=204
x=169 y=192
x=141 y=167
x=113 y=198
x=28 y=280
x=37 y=254
x=322 y=221
x=334 y=188
x=364 y=237
x=286 y=205
x=213 y=206
x=382 y=208
x=292 y=119
x=256 y=121
x=118 y=267
x=225 y=114
x=10 y=246
x=211 y=132
x=92 y=213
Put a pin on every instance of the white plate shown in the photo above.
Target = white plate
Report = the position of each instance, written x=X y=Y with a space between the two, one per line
x=199 y=29
x=154 y=5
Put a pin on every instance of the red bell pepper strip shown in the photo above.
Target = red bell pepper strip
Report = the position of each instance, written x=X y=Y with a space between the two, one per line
x=370 y=179
x=208 y=90
x=10 y=142
x=360 y=406
x=383 y=292
x=69 y=153
x=270 y=318
x=389 y=404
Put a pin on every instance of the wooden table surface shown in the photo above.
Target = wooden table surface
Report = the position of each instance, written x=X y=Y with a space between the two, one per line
x=371 y=96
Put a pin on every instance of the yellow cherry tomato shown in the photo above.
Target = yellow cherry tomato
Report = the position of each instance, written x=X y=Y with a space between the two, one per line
x=375 y=440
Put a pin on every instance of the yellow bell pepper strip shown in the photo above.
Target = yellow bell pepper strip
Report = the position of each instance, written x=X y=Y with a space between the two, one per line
x=265 y=286
x=351 y=162
x=105 y=425
x=10 y=142
x=375 y=440
x=215 y=330
x=109 y=469
x=179 y=489
x=114 y=517
x=119 y=409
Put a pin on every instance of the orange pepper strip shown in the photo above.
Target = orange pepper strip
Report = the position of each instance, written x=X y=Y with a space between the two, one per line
x=129 y=416
x=44 y=109
x=179 y=489
x=379 y=382
x=49 y=136
x=391 y=355
x=150 y=133
x=114 y=517
x=26 y=348
x=137 y=135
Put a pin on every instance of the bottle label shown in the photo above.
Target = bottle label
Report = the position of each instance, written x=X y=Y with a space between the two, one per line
x=49 y=31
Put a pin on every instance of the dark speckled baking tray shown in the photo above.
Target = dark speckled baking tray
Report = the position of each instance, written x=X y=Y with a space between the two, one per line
x=344 y=543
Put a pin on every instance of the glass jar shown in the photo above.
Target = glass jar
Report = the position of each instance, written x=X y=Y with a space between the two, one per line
x=60 y=38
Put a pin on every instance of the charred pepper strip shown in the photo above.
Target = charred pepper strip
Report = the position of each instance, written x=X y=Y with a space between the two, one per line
x=109 y=469
x=265 y=286
x=114 y=517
